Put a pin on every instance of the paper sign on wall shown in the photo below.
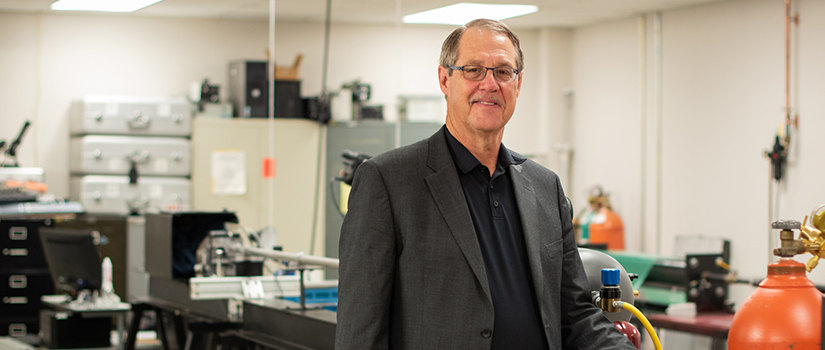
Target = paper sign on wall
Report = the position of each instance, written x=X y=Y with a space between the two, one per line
x=228 y=172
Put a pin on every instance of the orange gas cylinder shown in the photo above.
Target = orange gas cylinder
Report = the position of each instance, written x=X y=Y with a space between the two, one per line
x=783 y=313
x=606 y=228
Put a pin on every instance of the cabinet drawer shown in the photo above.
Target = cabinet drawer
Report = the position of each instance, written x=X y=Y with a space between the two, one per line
x=25 y=283
x=101 y=154
x=19 y=326
x=20 y=244
x=114 y=194
x=127 y=115
x=19 y=305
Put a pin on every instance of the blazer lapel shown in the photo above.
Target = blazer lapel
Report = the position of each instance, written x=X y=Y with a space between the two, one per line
x=449 y=197
x=529 y=210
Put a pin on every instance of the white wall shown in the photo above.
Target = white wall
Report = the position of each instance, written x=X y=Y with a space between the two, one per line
x=722 y=98
x=734 y=120
x=46 y=61
x=606 y=124
x=722 y=101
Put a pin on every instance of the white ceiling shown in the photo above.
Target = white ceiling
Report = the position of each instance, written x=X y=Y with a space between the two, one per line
x=552 y=13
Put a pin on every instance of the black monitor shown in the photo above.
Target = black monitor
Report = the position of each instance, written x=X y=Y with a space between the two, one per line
x=73 y=259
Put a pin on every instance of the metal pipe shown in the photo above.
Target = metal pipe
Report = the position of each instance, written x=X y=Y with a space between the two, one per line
x=270 y=78
x=643 y=93
x=787 y=62
x=300 y=258
x=657 y=90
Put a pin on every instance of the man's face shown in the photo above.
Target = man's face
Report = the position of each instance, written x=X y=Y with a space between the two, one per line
x=485 y=106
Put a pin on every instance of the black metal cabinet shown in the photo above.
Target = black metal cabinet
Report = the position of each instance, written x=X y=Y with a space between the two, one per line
x=24 y=276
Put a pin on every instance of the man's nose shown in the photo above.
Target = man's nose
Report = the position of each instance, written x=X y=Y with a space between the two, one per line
x=489 y=82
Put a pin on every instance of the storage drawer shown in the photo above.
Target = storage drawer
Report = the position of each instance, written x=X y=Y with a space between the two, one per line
x=19 y=326
x=101 y=154
x=20 y=244
x=123 y=115
x=25 y=282
x=19 y=305
x=101 y=194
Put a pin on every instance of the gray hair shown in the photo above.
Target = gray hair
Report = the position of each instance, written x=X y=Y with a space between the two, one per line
x=449 y=49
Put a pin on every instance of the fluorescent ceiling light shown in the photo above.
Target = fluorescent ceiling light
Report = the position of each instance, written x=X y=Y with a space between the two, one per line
x=464 y=12
x=101 y=5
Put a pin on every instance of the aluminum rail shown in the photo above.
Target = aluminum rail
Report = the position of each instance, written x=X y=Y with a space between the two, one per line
x=300 y=258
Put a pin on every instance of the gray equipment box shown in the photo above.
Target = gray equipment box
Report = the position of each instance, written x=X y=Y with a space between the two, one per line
x=22 y=174
x=103 y=154
x=102 y=194
x=123 y=115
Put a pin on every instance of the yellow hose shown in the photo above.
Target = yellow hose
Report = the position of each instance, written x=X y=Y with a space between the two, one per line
x=645 y=322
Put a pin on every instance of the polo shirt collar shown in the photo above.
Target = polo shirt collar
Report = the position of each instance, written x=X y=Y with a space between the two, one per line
x=466 y=161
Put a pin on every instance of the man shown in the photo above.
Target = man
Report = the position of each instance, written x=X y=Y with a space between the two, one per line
x=457 y=243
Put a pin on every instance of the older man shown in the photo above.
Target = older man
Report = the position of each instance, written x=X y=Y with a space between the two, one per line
x=456 y=242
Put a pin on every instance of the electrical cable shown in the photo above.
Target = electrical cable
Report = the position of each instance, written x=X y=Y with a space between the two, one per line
x=325 y=100
x=325 y=67
x=776 y=198
x=332 y=182
x=317 y=193
x=629 y=307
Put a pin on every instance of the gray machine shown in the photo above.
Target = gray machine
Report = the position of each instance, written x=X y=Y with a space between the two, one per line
x=123 y=115
x=131 y=154
x=173 y=243
x=116 y=155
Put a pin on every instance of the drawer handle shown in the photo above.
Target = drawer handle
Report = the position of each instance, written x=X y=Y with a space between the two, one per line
x=15 y=252
x=18 y=281
x=137 y=203
x=15 y=300
x=139 y=121
x=18 y=233
x=17 y=329
x=97 y=153
x=139 y=156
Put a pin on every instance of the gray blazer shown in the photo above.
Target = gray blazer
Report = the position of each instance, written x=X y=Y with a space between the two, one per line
x=411 y=272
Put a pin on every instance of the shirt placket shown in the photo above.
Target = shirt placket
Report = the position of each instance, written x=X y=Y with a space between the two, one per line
x=493 y=195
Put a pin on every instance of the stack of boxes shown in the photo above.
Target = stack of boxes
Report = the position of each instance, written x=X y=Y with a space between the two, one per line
x=131 y=155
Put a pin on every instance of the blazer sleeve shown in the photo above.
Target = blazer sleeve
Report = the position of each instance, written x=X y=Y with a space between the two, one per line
x=584 y=325
x=367 y=256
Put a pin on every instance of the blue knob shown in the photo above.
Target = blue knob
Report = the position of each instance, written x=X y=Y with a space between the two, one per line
x=610 y=277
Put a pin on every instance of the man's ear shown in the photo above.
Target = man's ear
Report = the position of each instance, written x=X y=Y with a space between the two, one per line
x=443 y=75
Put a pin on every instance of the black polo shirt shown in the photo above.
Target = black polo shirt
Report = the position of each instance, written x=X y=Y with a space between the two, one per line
x=496 y=219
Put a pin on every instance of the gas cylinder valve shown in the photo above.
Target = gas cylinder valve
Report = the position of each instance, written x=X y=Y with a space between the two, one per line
x=811 y=238
x=789 y=246
x=610 y=291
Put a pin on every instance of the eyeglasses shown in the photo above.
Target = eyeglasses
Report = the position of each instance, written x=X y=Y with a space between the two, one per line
x=502 y=74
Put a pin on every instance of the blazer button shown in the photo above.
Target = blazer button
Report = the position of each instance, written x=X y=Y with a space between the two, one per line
x=486 y=333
